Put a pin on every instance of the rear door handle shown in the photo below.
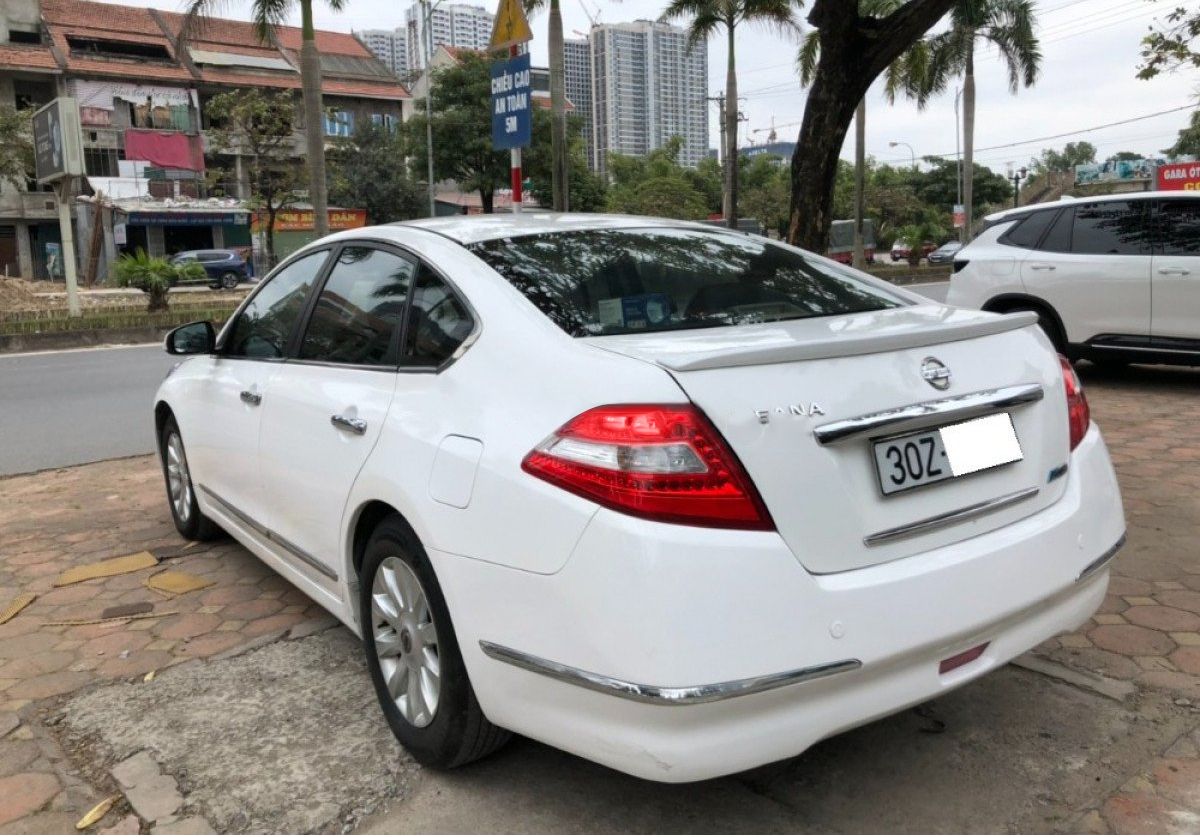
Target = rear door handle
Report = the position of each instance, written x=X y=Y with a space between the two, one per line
x=1042 y=267
x=251 y=398
x=1173 y=271
x=354 y=425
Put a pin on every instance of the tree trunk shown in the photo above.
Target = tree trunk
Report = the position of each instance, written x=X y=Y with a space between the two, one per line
x=272 y=211
x=558 y=112
x=854 y=51
x=731 y=122
x=969 y=145
x=314 y=120
x=860 y=182
x=486 y=200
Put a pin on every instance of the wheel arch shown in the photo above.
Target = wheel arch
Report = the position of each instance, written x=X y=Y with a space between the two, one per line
x=366 y=517
x=1010 y=301
x=162 y=412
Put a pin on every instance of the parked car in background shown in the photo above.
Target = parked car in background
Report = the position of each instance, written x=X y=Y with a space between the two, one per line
x=1115 y=279
x=224 y=268
x=945 y=253
x=732 y=497
x=901 y=250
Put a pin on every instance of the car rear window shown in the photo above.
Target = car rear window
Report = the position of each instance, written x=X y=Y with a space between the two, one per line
x=626 y=281
x=1029 y=231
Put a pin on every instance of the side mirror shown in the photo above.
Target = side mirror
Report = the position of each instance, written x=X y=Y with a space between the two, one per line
x=197 y=338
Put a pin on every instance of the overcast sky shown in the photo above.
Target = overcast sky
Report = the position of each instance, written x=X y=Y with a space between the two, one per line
x=1090 y=54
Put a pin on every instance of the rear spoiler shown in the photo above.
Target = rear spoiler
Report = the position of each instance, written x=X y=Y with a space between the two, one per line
x=848 y=345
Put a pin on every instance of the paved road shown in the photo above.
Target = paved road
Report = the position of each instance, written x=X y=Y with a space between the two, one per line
x=934 y=290
x=67 y=408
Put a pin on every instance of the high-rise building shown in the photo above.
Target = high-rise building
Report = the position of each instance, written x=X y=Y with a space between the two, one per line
x=452 y=24
x=647 y=86
x=389 y=45
x=577 y=79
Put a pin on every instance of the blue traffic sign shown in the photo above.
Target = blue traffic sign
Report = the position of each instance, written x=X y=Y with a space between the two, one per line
x=512 y=114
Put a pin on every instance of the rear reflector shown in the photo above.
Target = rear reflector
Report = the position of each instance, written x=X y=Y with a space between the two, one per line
x=663 y=462
x=960 y=660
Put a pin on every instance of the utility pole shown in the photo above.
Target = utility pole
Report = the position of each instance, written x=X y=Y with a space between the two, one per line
x=860 y=183
x=720 y=100
x=962 y=231
x=427 y=18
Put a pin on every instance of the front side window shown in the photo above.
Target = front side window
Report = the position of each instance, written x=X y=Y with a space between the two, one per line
x=262 y=328
x=438 y=323
x=598 y=282
x=359 y=309
x=1111 y=228
x=1179 y=226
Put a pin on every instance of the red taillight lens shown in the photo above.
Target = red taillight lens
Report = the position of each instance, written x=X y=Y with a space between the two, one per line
x=1079 y=415
x=664 y=462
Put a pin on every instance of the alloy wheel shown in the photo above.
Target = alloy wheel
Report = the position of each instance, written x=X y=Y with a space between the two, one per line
x=179 y=482
x=406 y=643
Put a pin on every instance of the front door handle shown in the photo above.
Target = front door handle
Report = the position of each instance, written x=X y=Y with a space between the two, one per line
x=1173 y=271
x=251 y=398
x=1041 y=267
x=354 y=425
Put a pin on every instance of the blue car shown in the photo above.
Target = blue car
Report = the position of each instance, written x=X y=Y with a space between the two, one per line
x=224 y=268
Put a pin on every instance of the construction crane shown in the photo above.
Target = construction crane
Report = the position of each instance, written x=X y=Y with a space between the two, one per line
x=772 y=136
x=594 y=18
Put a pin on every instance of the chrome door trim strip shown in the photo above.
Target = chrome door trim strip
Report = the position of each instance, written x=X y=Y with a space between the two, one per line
x=663 y=695
x=929 y=524
x=1102 y=561
x=268 y=535
x=942 y=410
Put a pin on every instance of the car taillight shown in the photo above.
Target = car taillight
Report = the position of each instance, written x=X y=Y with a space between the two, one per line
x=664 y=462
x=1079 y=415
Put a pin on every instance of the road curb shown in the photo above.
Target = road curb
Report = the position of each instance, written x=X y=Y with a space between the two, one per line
x=84 y=338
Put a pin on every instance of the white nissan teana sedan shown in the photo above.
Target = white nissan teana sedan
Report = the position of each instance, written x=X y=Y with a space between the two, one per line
x=676 y=499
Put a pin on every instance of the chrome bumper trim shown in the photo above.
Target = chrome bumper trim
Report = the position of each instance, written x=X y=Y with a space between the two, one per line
x=268 y=535
x=1102 y=561
x=920 y=527
x=663 y=695
x=943 y=411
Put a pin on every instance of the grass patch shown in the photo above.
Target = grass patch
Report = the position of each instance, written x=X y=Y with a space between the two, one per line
x=112 y=317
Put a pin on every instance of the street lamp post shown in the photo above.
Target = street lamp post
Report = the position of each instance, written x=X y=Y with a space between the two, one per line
x=911 y=153
x=1016 y=177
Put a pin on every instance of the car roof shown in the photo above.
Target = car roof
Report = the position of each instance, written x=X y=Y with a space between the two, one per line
x=1066 y=199
x=469 y=229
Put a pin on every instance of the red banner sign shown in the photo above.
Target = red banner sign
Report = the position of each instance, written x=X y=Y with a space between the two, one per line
x=299 y=220
x=1173 y=176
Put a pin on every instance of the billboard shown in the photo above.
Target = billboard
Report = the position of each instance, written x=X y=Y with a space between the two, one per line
x=512 y=119
x=1174 y=176
x=301 y=220
x=1115 y=171
x=57 y=141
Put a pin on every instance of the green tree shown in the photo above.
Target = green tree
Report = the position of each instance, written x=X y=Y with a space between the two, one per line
x=1073 y=154
x=1172 y=44
x=765 y=192
x=462 y=130
x=153 y=276
x=930 y=226
x=269 y=15
x=1188 y=142
x=707 y=178
x=259 y=127
x=654 y=185
x=705 y=18
x=855 y=49
x=16 y=145
x=1009 y=26
x=586 y=190
x=937 y=187
x=560 y=162
x=363 y=173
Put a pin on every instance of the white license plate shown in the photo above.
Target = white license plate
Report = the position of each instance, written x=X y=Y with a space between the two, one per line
x=945 y=453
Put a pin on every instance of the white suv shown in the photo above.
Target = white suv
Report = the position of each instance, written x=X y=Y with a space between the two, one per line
x=1112 y=279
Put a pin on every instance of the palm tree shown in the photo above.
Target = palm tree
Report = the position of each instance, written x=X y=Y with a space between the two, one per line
x=559 y=165
x=706 y=17
x=268 y=15
x=906 y=74
x=1009 y=26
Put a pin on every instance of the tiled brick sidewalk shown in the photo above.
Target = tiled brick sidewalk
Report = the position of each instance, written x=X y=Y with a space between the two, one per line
x=55 y=520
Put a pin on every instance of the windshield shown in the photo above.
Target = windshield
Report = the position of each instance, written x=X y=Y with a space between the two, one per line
x=598 y=282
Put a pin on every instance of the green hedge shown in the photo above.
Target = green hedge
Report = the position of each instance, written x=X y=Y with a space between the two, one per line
x=37 y=322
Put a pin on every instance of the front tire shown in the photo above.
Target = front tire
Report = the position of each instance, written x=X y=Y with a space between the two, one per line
x=413 y=655
x=229 y=280
x=181 y=493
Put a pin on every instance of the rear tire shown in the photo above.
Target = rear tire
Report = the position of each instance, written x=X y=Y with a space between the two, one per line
x=230 y=280
x=1048 y=325
x=413 y=654
x=181 y=493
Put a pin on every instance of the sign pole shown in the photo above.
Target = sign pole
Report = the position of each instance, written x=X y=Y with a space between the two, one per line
x=517 y=195
x=63 y=192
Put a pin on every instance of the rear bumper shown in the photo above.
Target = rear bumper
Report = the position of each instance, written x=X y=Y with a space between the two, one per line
x=678 y=654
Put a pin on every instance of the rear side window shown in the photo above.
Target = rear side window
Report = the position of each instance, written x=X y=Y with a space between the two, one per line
x=1111 y=228
x=1029 y=231
x=438 y=322
x=263 y=327
x=598 y=282
x=1179 y=225
x=360 y=308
